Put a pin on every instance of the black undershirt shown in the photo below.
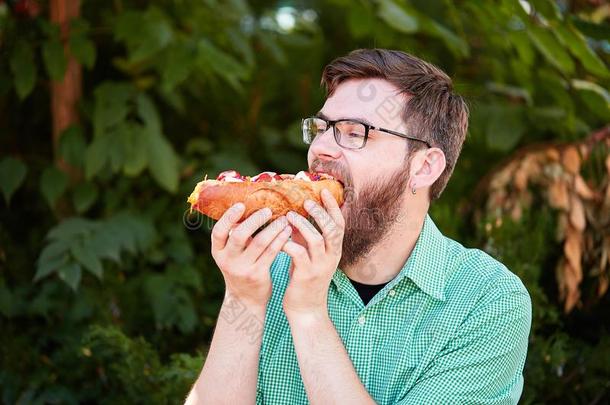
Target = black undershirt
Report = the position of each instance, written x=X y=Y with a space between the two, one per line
x=366 y=291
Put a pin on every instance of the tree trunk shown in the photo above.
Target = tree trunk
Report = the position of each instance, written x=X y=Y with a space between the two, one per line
x=65 y=94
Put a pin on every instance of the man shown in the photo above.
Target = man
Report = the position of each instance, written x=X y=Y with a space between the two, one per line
x=374 y=305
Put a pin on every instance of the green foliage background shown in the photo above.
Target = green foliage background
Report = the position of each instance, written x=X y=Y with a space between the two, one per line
x=107 y=290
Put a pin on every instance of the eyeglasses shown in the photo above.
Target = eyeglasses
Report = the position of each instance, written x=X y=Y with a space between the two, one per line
x=349 y=133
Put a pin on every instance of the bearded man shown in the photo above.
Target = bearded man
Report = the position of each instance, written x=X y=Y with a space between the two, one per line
x=369 y=302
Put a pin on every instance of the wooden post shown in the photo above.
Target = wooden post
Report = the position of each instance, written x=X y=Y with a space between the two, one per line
x=66 y=93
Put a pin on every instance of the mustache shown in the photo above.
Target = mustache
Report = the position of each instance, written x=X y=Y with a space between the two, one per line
x=334 y=169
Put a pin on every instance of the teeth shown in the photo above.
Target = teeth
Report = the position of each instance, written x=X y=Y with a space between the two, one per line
x=333 y=176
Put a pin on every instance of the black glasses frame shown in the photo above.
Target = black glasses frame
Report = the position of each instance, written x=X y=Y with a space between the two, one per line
x=367 y=128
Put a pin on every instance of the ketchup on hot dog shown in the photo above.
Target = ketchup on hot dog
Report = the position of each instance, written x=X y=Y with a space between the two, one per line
x=236 y=177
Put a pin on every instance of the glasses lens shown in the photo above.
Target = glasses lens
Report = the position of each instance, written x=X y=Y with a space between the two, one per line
x=312 y=127
x=350 y=134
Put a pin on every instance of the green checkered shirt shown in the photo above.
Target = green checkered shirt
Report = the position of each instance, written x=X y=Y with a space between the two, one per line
x=451 y=327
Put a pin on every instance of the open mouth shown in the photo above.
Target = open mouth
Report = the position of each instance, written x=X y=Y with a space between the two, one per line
x=334 y=177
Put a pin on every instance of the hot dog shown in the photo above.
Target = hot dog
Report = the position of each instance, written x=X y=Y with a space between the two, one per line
x=280 y=192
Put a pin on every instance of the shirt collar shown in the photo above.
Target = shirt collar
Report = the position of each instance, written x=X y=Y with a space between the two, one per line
x=426 y=265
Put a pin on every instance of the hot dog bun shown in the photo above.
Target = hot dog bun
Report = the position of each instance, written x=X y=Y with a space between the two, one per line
x=281 y=193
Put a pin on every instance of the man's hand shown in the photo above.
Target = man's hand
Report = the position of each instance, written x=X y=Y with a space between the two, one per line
x=230 y=372
x=245 y=260
x=315 y=256
x=328 y=374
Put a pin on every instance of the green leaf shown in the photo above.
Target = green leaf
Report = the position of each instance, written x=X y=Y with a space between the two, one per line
x=456 y=45
x=54 y=59
x=578 y=46
x=70 y=274
x=83 y=50
x=172 y=305
x=111 y=106
x=88 y=259
x=96 y=156
x=221 y=63
x=47 y=267
x=505 y=126
x=53 y=250
x=268 y=42
x=510 y=92
x=596 y=98
x=84 y=196
x=163 y=161
x=105 y=245
x=522 y=44
x=23 y=68
x=136 y=149
x=148 y=113
x=72 y=146
x=397 y=17
x=48 y=263
x=120 y=228
x=548 y=8
x=550 y=84
x=116 y=147
x=70 y=228
x=144 y=33
x=53 y=184
x=177 y=65
x=551 y=49
x=12 y=175
x=240 y=41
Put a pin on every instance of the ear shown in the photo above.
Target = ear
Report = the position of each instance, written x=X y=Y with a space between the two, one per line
x=426 y=166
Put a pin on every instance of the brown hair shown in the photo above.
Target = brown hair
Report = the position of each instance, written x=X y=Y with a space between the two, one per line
x=433 y=112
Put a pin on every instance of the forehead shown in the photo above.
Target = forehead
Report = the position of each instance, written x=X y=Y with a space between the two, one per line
x=374 y=100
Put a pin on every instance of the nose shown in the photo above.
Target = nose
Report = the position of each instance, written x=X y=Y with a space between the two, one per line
x=325 y=145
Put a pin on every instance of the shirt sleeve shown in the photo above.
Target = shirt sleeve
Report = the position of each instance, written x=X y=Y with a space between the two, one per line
x=484 y=363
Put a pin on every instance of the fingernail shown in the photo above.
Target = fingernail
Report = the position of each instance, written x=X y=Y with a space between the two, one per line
x=309 y=204
x=238 y=206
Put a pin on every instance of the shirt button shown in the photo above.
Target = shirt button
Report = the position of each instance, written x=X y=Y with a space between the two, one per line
x=391 y=293
x=361 y=320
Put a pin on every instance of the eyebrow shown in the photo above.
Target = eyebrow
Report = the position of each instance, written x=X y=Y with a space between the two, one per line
x=320 y=114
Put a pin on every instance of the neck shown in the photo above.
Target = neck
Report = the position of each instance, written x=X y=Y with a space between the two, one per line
x=391 y=253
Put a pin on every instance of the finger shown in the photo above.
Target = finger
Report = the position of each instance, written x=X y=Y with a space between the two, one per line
x=226 y=222
x=241 y=234
x=264 y=238
x=269 y=254
x=235 y=226
x=299 y=255
x=315 y=241
x=330 y=230
x=333 y=208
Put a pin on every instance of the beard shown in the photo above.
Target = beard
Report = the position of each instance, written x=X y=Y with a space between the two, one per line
x=370 y=213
